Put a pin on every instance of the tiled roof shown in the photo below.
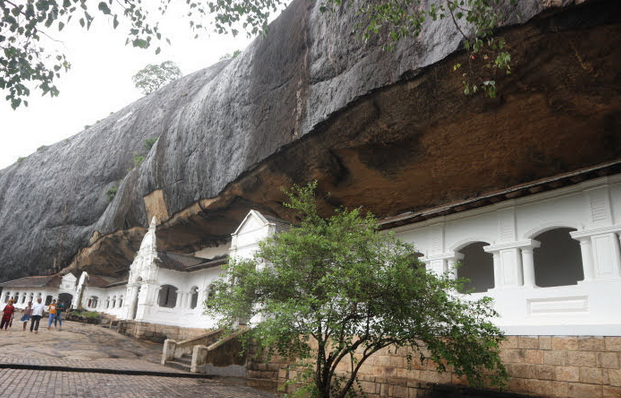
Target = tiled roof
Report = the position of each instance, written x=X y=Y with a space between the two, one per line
x=184 y=262
x=34 y=281
x=516 y=191
x=281 y=225
x=101 y=281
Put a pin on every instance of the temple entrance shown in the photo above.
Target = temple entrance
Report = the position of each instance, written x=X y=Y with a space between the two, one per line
x=66 y=299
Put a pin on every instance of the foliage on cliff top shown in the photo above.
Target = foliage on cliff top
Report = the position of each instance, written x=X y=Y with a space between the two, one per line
x=26 y=60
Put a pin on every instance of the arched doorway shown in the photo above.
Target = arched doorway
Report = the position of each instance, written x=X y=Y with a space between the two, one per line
x=66 y=299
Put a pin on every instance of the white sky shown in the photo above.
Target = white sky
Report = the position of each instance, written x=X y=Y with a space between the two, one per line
x=99 y=81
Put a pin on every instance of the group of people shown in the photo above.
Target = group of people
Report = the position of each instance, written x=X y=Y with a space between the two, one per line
x=33 y=313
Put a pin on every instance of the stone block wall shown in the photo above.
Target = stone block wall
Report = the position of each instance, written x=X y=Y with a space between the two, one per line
x=539 y=366
x=158 y=333
x=564 y=366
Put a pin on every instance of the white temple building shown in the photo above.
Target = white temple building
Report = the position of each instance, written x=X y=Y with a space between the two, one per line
x=550 y=260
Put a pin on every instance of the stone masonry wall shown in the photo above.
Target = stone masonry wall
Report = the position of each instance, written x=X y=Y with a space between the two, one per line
x=540 y=366
x=158 y=333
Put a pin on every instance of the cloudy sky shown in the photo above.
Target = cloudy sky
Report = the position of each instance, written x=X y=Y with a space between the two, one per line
x=99 y=81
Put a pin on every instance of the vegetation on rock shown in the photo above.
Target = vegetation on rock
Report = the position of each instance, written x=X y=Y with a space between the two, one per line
x=26 y=63
x=111 y=192
x=153 y=77
x=337 y=290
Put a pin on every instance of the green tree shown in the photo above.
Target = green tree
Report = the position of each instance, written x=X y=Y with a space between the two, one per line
x=352 y=290
x=26 y=61
x=153 y=77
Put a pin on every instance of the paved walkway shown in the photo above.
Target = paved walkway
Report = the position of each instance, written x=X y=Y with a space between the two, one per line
x=90 y=361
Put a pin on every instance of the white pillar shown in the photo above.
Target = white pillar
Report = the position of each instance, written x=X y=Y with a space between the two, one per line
x=528 y=265
x=586 y=250
x=183 y=300
x=451 y=268
x=497 y=278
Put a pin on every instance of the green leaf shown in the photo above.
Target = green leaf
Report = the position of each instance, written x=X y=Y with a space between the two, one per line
x=103 y=7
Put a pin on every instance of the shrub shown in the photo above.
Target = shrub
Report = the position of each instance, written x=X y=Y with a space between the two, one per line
x=149 y=142
x=111 y=193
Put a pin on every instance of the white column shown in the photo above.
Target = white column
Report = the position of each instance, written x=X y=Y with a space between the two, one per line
x=451 y=268
x=183 y=300
x=451 y=265
x=528 y=266
x=497 y=270
x=586 y=250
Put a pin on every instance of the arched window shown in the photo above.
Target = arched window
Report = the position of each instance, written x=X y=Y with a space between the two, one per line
x=211 y=293
x=558 y=261
x=120 y=301
x=7 y=297
x=193 y=297
x=48 y=299
x=23 y=298
x=478 y=267
x=16 y=298
x=107 y=302
x=114 y=302
x=167 y=297
x=92 y=302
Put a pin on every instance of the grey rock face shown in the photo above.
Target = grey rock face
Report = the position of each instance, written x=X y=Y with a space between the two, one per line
x=212 y=126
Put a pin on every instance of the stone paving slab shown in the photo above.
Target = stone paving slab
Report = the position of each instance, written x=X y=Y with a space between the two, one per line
x=88 y=348
x=18 y=383
x=114 y=364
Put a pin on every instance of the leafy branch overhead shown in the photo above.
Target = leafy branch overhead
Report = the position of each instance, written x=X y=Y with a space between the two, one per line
x=27 y=31
x=28 y=60
x=330 y=293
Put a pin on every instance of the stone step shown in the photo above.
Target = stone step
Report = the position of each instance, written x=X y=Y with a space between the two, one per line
x=179 y=365
x=185 y=358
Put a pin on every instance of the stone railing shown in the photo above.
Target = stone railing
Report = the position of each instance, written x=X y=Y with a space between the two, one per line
x=176 y=349
x=225 y=357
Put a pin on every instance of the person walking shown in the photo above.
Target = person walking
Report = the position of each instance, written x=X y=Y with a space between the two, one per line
x=7 y=315
x=52 y=314
x=58 y=319
x=26 y=315
x=37 y=314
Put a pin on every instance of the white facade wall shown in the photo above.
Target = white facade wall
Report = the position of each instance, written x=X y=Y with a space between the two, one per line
x=508 y=229
x=592 y=307
x=181 y=314
x=30 y=294
x=24 y=294
x=109 y=301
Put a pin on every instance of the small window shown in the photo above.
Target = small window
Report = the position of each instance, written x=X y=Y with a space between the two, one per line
x=167 y=296
x=558 y=261
x=7 y=297
x=23 y=298
x=92 y=302
x=120 y=301
x=478 y=267
x=193 y=297
x=48 y=300
x=108 y=302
